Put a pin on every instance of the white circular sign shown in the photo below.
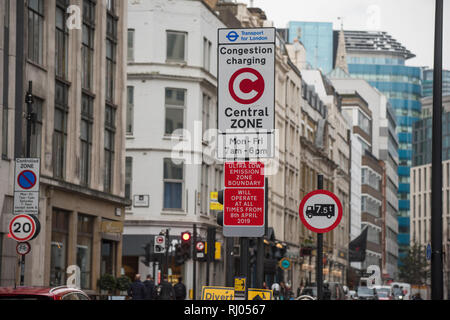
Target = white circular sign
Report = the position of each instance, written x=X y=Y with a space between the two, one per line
x=23 y=248
x=200 y=246
x=320 y=211
x=22 y=228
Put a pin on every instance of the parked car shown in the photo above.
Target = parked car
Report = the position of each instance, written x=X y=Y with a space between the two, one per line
x=42 y=293
x=384 y=292
x=366 y=293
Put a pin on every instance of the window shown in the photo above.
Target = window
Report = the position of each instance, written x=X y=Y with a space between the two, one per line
x=206 y=54
x=176 y=46
x=175 y=104
x=87 y=49
x=130 y=44
x=110 y=130
x=111 y=48
x=36 y=130
x=61 y=39
x=36 y=31
x=130 y=110
x=173 y=184
x=206 y=118
x=205 y=189
x=60 y=129
x=364 y=123
x=128 y=176
x=87 y=120
x=85 y=228
x=58 y=254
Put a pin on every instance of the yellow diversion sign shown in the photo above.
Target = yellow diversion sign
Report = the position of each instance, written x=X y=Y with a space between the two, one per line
x=227 y=293
x=217 y=293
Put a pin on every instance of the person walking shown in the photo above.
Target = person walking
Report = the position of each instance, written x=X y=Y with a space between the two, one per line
x=150 y=289
x=137 y=289
x=180 y=290
x=165 y=290
x=276 y=291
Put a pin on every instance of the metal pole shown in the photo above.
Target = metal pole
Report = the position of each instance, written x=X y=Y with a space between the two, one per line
x=166 y=267
x=437 y=280
x=229 y=271
x=194 y=264
x=319 y=271
x=244 y=265
x=260 y=241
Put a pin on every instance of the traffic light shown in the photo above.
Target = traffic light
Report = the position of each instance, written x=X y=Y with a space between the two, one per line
x=186 y=245
x=200 y=247
x=253 y=250
x=220 y=214
x=146 y=261
x=179 y=259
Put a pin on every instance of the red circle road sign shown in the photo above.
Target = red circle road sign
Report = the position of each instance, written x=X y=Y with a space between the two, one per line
x=23 y=248
x=159 y=239
x=320 y=211
x=200 y=245
x=22 y=228
x=246 y=85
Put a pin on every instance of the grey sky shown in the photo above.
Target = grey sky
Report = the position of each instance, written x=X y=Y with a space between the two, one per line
x=411 y=22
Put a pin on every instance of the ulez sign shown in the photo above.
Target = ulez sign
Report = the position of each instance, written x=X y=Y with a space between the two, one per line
x=243 y=213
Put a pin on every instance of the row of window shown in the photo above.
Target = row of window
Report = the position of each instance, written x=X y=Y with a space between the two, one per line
x=175 y=107
x=176 y=47
x=36 y=20
x=174 y=184
x=84 y=248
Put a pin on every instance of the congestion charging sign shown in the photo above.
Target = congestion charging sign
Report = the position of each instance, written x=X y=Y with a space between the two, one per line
x=246 y=93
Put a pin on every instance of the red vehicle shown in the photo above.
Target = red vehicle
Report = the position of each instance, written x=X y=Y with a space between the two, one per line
x=42 y=293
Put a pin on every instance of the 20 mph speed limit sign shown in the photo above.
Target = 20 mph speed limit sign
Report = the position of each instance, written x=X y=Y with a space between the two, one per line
x=24 y=227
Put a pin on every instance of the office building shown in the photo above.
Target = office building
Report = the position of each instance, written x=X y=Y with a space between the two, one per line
x=78 y=85
x=317 y=38
x=427 y=82
x=380 y=60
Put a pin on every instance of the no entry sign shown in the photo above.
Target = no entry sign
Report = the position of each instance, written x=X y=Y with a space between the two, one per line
x=320 y=211
x=243 y=201
x=246 y=93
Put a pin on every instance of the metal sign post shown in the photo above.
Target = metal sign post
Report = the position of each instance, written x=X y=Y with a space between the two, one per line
x=320 y=211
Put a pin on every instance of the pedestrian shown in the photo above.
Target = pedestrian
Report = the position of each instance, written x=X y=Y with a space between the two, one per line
x=326 y=291
x=417 y=296
x=283 y=291
x=276 y=291
x=180 y=290
x=137 y=289
x=150 y=289
x=264 y=286
x=165 y=290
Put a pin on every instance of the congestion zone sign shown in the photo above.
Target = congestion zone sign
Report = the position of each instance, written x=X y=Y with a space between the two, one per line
x=244 y=199
x=246 y=93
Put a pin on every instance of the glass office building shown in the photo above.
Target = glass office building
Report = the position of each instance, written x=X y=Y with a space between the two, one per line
x=380 y=59
x=427 y=82
x=317 y=38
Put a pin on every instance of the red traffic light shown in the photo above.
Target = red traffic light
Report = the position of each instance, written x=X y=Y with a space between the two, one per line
x=186 y=236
